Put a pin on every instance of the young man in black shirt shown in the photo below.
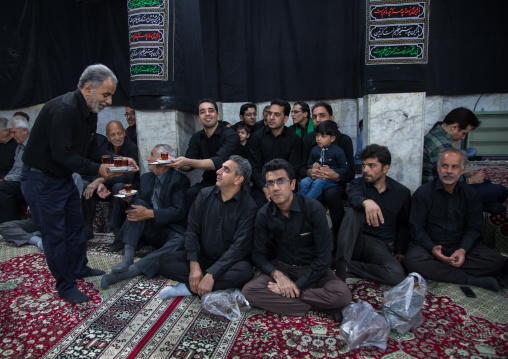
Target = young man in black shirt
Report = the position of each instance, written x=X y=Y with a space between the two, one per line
x=446 y=224
x=61 y=142
x=374 y=234
x=292 y=249
x=208 y=149
x=273 y=141
x=218 y=238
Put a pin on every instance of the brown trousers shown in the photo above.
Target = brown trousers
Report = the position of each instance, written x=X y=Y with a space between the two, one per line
x=329 y=292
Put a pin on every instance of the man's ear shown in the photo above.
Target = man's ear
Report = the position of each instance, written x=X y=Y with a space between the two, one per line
x=239 y=180
x=88 y=88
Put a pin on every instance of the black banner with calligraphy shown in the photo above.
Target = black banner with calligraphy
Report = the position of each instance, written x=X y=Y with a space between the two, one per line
x=251 y=50
x=397 y=32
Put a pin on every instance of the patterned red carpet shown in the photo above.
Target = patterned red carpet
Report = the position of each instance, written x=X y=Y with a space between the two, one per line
x=497 y=172
x=130 y=321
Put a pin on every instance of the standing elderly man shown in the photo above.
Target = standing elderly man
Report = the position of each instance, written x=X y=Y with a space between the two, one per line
x=292 y=249
x=62 y=141
x=446 y=224
x=101 y=188
x=157 y=214
x=7 y=147
x=10 y=185
x=218 y=238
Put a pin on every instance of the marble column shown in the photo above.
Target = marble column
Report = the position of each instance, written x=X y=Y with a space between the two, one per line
x=398 y=122
x=170 y=127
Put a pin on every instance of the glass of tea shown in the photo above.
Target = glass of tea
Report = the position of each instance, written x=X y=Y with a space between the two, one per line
x=125 y=162
x=128 y=188
x=164 y=156
x=106 y=159
x=117 y=161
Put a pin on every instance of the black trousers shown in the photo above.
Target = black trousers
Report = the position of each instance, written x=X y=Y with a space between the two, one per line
x=10 y=196
x=368 y=257
x=175 y=266
x=480 y=261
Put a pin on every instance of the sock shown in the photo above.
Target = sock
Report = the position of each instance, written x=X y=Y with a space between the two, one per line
x=489 y=283
x=127 y=260
x=179 y=290
x=36 y=241
x=76 y=297
x=92 y=272
x=112 y=278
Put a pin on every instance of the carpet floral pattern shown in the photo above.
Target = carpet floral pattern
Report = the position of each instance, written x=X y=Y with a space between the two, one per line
x=130 y=321
x=497 y=172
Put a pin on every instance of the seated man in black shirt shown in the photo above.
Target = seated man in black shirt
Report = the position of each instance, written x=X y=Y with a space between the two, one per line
x=208 y=149
x=100 y=188
x=292 y=249
x=218 y=237
x=274 y=141
x=377 y=225
x=332 y=196
x=7 y=148
x=158 y=215
x=248 y=113
x=446 y=224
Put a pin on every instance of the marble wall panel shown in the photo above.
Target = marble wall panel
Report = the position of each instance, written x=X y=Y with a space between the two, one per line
x=397 y=121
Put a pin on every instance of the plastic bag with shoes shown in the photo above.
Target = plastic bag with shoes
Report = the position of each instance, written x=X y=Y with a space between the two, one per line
x=363 y=326
x=402 y=305
x=229 y=303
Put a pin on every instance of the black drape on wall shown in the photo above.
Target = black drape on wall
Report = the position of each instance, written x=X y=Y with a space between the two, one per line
x=46 y=45
x=250 y=50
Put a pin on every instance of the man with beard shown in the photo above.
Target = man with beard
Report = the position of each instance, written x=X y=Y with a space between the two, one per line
x=446 y=225
x=374 y=234
x=208 y=149
x=130 y=116
x=61 y=142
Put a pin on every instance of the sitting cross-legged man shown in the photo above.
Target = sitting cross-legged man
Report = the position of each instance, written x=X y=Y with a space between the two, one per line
x=446 y=224
x=157 y=214
x=218 y=238
x=374 y=234
x=292 y=248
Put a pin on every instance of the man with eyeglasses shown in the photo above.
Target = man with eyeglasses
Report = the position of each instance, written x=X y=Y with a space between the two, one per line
x=374 y=234
x=302 y=123
x=130 y=116
x=273 y=141
x=292 y=250
x=248 y=113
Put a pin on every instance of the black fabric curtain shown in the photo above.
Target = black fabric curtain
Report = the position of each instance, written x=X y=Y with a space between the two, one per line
x=46 y=45
x=250 y=50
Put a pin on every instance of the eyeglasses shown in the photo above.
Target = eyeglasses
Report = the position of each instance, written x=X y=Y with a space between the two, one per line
x=296 y=111
x=279 y=183
x=130 y=114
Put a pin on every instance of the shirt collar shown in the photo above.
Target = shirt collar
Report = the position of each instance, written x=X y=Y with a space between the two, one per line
x=438 y=185
x=219 y=130
x=295 y=206
x=237 y=197
x=439 y=130
x=162 y=177
x=389 y=184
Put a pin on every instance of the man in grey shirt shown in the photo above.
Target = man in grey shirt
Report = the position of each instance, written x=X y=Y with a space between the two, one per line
x=10 y=185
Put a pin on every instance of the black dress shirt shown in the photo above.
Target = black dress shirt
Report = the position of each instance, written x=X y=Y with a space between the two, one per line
x=394 y=202
x=62 y=139
x=7 y=152
x=219 y=147
x=343 y=141
x=220 y=231
x=264 y=147
x=440 y=218
x=302 y=239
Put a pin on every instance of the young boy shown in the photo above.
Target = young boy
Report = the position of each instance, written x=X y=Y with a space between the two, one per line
x=244 y=133
x=326 y=153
